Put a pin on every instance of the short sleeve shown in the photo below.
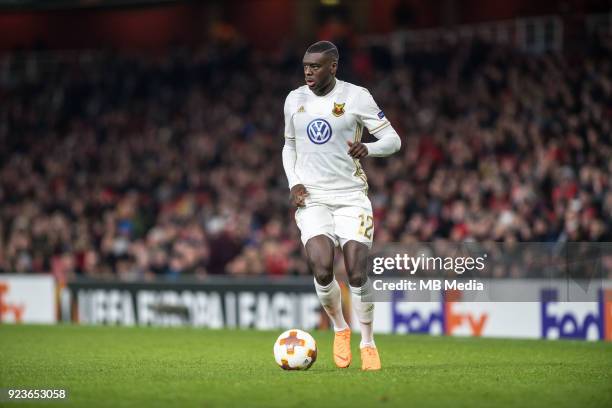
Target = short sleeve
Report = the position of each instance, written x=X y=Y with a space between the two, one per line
x=368 y=112
x=289 y=129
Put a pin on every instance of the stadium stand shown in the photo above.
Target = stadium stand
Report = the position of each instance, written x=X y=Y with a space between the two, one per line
x=136 y=167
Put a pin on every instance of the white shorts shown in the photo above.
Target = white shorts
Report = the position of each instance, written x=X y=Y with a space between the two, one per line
x=343 y=218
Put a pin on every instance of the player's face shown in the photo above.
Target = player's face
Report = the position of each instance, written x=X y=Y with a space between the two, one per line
x=319 y=70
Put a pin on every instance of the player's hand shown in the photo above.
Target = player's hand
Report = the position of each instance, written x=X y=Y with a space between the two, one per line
x=357 y=150
x=297 y=195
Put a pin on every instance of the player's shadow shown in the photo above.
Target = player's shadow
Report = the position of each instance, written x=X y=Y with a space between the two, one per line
x=477 y=366
x=466 y=367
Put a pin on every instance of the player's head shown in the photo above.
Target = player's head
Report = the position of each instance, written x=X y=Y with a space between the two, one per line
x=320 y=64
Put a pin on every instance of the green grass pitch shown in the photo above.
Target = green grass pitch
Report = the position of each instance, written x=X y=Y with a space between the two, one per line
x=148 y=367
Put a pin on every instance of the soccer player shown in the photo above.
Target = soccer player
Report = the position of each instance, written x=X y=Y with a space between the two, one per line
x=324 y=120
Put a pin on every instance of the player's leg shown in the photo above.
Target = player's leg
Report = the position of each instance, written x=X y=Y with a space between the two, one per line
x=316 y=226
x=354 y=226
x=320 y=254
x=355 y=261
x=355 y=254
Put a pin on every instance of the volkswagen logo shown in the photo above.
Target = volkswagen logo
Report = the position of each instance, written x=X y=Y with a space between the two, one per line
x=319 y=131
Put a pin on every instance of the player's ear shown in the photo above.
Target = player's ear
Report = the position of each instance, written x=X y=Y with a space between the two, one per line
x=334 y=67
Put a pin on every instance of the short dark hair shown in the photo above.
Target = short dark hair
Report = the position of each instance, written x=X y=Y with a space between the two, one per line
x=324 y=47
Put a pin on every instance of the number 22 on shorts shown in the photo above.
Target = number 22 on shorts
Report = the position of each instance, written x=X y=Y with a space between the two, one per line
x=366 y=225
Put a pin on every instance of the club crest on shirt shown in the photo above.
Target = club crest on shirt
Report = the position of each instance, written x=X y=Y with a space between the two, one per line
x=338 y=109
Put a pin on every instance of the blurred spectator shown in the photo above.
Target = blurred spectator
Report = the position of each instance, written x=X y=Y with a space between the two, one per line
x=145 y=167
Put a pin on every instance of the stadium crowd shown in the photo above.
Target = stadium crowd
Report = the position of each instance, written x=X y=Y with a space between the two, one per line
x=139 y=167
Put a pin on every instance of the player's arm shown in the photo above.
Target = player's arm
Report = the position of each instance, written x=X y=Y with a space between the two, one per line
x=388 y=143
x=378 y=125
x=298 y=191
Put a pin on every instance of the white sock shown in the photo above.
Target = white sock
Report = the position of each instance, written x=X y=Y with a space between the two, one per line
x=364 y=308
x=331 y=300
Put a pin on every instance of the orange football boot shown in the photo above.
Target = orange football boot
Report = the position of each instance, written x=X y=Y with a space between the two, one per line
x=370 y=361
x=342 y=348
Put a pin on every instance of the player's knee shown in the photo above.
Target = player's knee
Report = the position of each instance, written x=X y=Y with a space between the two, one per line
x=320 y=254
x=322 y=271
x=324 y=278
x=357 y=278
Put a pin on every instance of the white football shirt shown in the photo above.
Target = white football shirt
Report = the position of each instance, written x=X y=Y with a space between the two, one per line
x=322 y=126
